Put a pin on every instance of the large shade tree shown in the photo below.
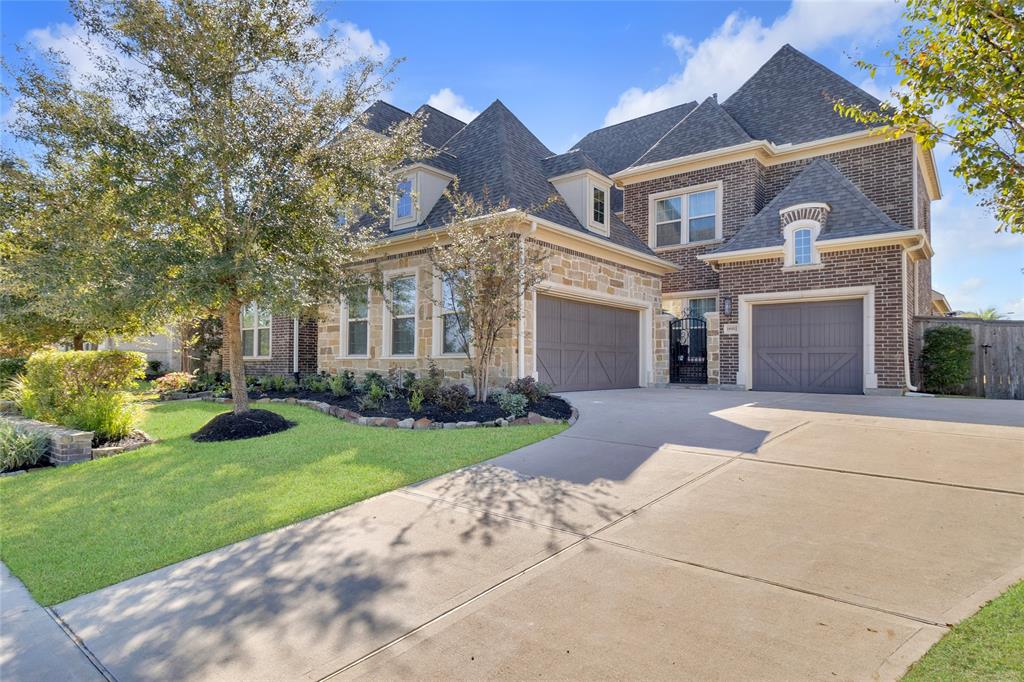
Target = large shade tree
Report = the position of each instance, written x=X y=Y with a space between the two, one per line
x=234 y=158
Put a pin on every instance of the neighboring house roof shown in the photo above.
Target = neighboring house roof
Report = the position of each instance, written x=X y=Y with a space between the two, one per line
x=438 y=127
x=569 y=162
x=852 y=214
x=705 y=128
x=940 y=304
x=496 y=156
x=617 y=146
x=790 y=100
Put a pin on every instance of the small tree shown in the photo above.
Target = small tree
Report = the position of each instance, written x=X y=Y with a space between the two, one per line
x=946 y=358
x=961 y=69
x=229 y=160
x=486 y=266
x=984 y=314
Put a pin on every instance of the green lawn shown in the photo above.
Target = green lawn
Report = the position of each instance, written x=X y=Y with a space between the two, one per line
x=73 y=530
x=987 y=646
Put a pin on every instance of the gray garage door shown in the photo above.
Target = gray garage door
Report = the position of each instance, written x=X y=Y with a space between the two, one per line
x=812 y=347
x=584 y=346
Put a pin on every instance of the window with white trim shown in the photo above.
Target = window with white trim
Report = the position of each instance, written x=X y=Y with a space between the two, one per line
x=403 y=202
x=599 y=202
x=686 y=218
x=802 y=252
x=699 y=306
x=402 y=293
x=454 y=332
x=255 y=332
x=356 y=314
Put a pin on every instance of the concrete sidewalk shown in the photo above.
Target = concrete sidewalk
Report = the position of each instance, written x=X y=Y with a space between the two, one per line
x=691 y=534
x=33 y=646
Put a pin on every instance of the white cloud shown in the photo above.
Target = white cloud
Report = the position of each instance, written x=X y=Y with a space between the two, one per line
x=970 y=285
x=1014 y=309
x=731 y=54
x=453 y=105
x=70 y=41
x=354 y=44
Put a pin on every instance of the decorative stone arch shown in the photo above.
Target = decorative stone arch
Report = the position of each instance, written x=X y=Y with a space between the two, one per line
x=792 y=219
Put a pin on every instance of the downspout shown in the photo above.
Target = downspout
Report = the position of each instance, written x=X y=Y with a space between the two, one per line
x=522 y=305
x=295 y=346
x=907 y=318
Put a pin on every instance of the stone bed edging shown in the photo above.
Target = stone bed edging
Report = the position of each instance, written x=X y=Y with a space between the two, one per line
x=387 y=422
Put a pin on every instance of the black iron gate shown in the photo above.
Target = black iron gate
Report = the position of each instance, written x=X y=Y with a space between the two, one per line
x=688 y=351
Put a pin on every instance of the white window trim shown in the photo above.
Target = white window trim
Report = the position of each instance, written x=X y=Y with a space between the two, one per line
x=744 y=377
x=386 y=353
x=601 y=228
x=686 y=296
x=652 y=202
x=788 y=232
x=413 y=218
x=256 y=334
x=343 y=328
x=437 y=324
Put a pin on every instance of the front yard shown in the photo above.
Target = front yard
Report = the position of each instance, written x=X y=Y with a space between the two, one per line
x=73 y=530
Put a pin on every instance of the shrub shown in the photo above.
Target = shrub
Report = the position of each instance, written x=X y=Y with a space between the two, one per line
x=289 y=386
x=373 y=399
x=272 y=382
x=153 y=368
x=57 y=383
x=316 y=383
x=415 y=401
x=946 y=358
x=174 y=381
x=20 y=448
x=338 y=386
x=372 y=378
x=426 y=387
x=110 y=416
x=529 y=387
x=453 y=398
x=10 y=368
x=513 y=404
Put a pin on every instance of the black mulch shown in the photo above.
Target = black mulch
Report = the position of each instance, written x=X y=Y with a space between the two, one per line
x=229 y=426
x=133 y=438
x=551 y=406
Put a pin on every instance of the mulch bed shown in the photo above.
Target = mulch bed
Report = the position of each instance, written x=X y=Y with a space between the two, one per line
x=551 y=406
x=229 y=426
x=133 y=438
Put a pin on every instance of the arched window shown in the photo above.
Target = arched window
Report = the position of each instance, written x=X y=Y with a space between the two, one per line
x=802 y=254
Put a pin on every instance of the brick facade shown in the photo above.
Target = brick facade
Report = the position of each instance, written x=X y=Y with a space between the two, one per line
x=567 y=271
x=282 y=359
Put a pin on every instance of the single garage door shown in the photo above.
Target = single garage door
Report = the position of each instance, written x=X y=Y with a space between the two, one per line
x=585 y=346
x=810 y=347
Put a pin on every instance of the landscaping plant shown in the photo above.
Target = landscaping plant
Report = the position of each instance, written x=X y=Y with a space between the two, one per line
x=340 y=385
x=454 y=398
x=415 y=401
x=9 y=369
x=20 y=448
x=947 y=358
x=529 y=388
x=514 y=404
x=173 y=382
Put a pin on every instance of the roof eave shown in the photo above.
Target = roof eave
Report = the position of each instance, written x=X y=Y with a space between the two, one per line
x=916 y=239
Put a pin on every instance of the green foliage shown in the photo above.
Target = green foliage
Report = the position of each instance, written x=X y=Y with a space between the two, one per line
x=20 y=448
x=371 y=379
x=415 y=401
x=290 y=386
x=10 y=368
x=530 y=388
x=429 y=385
x=338 y=386
x=984 y=314
x=272 y=382
x=946 y=358
x=110 y=415
x=153 y=368
x=316 y=383
x=513 y=404
x=453 y=398
x=87 y=390
x=961 y=83
x=173 y=382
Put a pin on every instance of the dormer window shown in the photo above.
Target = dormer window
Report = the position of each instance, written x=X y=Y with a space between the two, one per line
x=600 y=198
x=403 y=204
x=800 y=250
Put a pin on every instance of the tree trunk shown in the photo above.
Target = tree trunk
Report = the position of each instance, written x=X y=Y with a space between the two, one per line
x=232 y=319
x=480 y=379
x=78 y=342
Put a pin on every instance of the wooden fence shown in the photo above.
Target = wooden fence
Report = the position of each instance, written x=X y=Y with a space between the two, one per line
x=998 y=370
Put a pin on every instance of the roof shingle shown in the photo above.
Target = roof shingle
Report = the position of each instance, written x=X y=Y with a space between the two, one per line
x=705 y=128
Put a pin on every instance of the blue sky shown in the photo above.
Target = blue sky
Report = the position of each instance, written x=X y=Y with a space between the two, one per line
x=567 y=68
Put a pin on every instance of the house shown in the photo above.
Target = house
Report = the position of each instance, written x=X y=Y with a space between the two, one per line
x=763 y=242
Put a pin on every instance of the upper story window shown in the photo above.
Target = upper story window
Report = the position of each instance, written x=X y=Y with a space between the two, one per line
x=357 y=321
x=255 y=332
x=453 y=322
x=403 y=203
x=687 y=218
x=402 y=291
x=802 y=253
x=600 y=198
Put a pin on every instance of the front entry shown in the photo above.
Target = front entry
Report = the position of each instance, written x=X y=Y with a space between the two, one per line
x=809 y=347
x=688 y=351
x=586 y=346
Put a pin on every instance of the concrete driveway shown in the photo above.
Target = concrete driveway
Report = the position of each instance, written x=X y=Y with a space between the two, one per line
x=669 y=533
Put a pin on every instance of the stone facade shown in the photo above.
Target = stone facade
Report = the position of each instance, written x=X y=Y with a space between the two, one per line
x=569 y=272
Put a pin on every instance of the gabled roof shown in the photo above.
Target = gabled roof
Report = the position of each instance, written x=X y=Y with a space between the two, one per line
x=380 y=116
x=790 y=100
x=705 y=128
x=569 y=162
x=438 y=127
x=617 y=146
x=497 y=156
x=852 y=214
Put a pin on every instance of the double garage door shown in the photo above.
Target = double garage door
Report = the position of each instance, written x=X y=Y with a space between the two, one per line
x=585 y=346
x=810 y=347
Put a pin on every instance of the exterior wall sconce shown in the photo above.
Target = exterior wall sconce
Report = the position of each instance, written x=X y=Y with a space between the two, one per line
x=727 y=306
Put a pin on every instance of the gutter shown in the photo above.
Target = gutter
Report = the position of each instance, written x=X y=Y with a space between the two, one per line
x=924 y=246
x=661 y=263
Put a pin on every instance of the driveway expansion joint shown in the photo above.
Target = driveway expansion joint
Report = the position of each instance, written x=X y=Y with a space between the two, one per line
x=80 y=644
